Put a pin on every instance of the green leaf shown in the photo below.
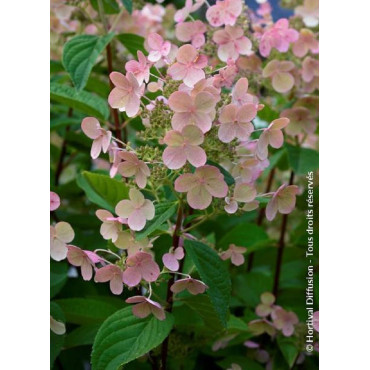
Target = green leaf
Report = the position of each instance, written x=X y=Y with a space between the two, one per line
x=58 y=277
x=56 y=341
x=289 y=350
x=82 y=336
x=227 y=176
x=102 y=190
x=302 y=160
x=244 y=235
x=80 y=54
x=109 y=6
x=85 y=311
x=213 y=272
x=132 y=43
x=163 y=212
x=59 y=122
x=128 y=5
x=124 y=337
x=82 y=101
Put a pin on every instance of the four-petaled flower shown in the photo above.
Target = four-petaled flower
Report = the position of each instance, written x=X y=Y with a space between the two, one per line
x=126 y=94
x=133 y=166
x=243 y=193
x=191 y=31
x=137 y=210
x=306 y=42
x=206 y=182
x=235 y=122
x=60 y=234
x=172 y=258
x=113 y=274
x=157 y=47
x=189 y=65
x=145 y=306
x=196 y=110
x=309 y=12
x=111 y=225
x=184 y=146
x=92 y=129
x=84 y=259
x=300 y=121
x=266 y=306
x=126 y=240
x=278 y=71
x=193 y=286
x=235 y=254
x=224 y=12
x=231 y=43
x=284 y=320
x=283 y=201
x=140 y=68
x=140 y=266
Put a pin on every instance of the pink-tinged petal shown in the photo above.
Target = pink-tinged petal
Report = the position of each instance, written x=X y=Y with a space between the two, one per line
x=244 y=193
x=282 y=82
x=104 y=274
x=231 y=207
x=174 y=157
x=124 y=208
x=54 y=201
x=127 y=169
x=64 y=232
x=287 y=199
x=179 y=253
x=185 y=182
x=177 y=71
x=96 y=148
x=58 y=250
x=214 y=16
x=316 y=321
x=141 y=310
x=180 y=101
x=198 y=40
x=279 y=123
x=193 y=135
x=243 y=130
x=237 y=259
x=203 y=121
x=75 y=255
x=179 y=285
x=120 y=81
x=217 y=187
x=227 y=51
x=148 y=209
x=180 y=120
x=204 y=102
x=198 y=197
x=196 y=287
x=271 y=209
x=141 y=179
x=133 y=105
x=86 y=270
x=195 y=155
x=221 y=37
x=136 y=197
x=200 y=62
x=271 y=68
x=276 y=138
x=267 y=298
x=116 y=284
x=155 y=41
x=91 y=127
x=263 y=310
x=170 y=261
x=186 y=54
x=228 y=113
x=251 y=206
x=193 y=75
x=244 y=45
x=246 y=113
x=227 y=132
x=158 y=312
x=118 y=98
x=136 y=299
x=174 y=138
x=106 y=138
x=150 y=272
x=136 y=220
x=131 y=277
x=109 y=230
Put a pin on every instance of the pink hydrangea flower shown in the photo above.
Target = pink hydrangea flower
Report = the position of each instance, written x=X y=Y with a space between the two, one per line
x=133 y=166
x=184 y=146
x=140 y=266
x=191 y=32
x=310 y=69
x=235 y=254
x=205 y=85
x=283 y=201
x=235 y=122
x=224 y=12
x=145 y=307
x=266 y=306
x=60 y=234
x=114 y=275
x=126 y=240
x=137 y=210
x=260 y=326
x=126 y=94
x=172 y=258
x=300 y=121
x=244 y=193
x=240 y=94
x=231 y=43
x=309 y=11
x=182 y=14
x=111 y=225
x=140 y=69
x=198 y=110
x=206 y=182
x=193 y=286
x=189 y=65
x=226 y=76
x=157 y=47
x=307 y=41
x=316 y=321
x=284 y=321
x=271 y=135
x=84 y=259
x=54 y=201
x=279 y=36
x=92 y=129
x=278 y=71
